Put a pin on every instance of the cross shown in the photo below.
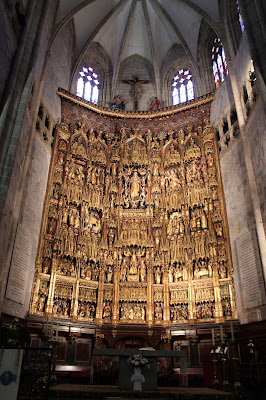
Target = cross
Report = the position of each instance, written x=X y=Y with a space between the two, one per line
x=136 y=84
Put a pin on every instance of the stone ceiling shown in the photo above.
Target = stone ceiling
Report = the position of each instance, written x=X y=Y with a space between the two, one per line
x=148 y=28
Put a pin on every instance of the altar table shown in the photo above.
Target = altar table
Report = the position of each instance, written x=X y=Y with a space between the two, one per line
x=150 y=373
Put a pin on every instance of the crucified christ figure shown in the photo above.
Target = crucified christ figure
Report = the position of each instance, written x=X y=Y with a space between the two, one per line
x=136 y=84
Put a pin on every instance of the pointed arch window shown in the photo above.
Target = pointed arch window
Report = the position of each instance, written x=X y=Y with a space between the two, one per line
x=182 y=87
x=219 y=63
x=88 y=85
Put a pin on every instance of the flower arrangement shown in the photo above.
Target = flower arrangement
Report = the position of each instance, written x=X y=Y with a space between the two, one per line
x=138 y=360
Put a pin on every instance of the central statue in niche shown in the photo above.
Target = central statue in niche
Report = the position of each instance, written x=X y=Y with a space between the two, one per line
x=133 y=269
x=135 y=186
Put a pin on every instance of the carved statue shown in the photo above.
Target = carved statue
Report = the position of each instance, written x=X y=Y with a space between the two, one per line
x=142 y=271
x=134 y=185
x=171 y=273
x=55 y=307
x=123 y=270
x=222 y=270
x=109 y=274
x=178 y=273
x=157 y=275
x=133 y=267
x=158 y=312
x=46 y=265
x=41 y=303
x=107 y=311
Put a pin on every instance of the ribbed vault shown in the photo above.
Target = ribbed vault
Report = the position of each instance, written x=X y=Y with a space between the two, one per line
x=147 y=28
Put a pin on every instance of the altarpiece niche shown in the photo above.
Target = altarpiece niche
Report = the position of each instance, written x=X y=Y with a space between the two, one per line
x=134 y=225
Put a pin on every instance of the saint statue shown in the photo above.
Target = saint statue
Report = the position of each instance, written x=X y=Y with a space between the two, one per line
x=107 y=311
x=134 y=185
x=142 y=271
x=123 y=271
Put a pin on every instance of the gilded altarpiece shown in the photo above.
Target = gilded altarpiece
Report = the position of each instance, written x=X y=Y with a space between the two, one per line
x=134 y=226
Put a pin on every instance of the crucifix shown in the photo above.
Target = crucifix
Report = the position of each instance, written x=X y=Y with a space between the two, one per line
x=136 y=84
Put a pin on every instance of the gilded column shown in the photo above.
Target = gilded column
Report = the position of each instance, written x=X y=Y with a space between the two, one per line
x=115 y=307
x=150 y=281
x=166 y=315
x=233 y=300
x=36 y=285
x=75 y=303
x=99 y=309
x=191 y=303
x=50 y=300
x=217 y=295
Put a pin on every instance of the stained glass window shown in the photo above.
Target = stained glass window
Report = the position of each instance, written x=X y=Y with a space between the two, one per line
x=240 y=19
x=219 y=63
x=183 y=88
x=88 y=85
x=215 y=74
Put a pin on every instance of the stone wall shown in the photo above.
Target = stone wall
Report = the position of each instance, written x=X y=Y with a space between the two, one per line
x=17 y=136
x=31 y=216
x=256 y=133
x=233 y=156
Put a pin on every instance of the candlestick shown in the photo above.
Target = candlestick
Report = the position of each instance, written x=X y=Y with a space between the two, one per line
x=213 y=341
x=222 y=334
x=232 y=331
